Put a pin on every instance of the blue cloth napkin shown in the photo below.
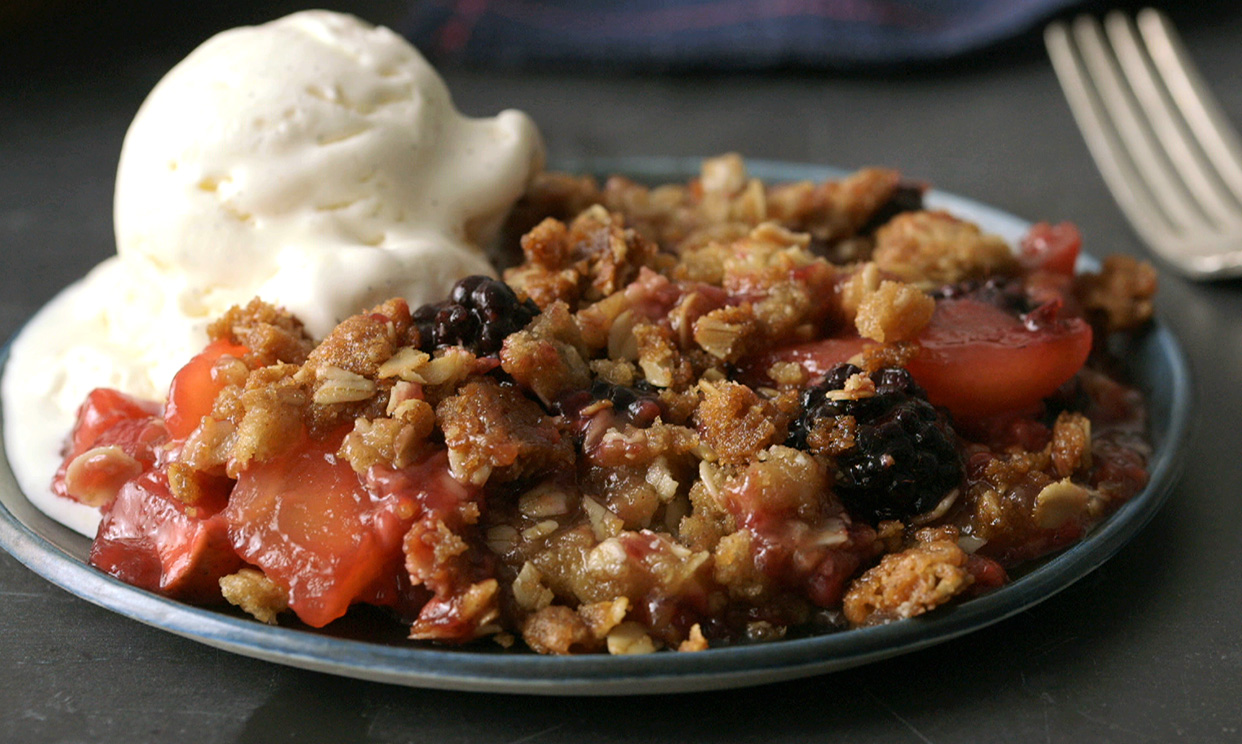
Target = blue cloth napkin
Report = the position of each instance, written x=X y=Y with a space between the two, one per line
x=730 y=34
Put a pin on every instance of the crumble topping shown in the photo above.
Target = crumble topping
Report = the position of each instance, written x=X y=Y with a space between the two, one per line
x=912 y=581
x=694 y=415
x=935 y=248
x=257 y=595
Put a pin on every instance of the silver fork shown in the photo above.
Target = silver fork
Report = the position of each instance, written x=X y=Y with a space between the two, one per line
x=1166 y=150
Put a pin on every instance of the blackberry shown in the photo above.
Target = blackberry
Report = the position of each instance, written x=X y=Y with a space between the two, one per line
x=479 y=314
x=904 y=459
x=639 y=405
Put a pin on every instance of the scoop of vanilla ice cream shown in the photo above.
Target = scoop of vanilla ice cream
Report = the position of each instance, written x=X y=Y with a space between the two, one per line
x=319 y=163
x=316 y=162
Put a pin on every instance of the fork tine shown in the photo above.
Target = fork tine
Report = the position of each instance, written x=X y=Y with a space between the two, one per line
x=1150 y=161
x=1216 y=135
x=1187 y=159
x=1102 y=139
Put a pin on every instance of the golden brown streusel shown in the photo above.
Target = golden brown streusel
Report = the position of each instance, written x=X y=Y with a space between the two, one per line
x=934 y=248
x=257 y=595
x=1119 y=297
x=911 y=582
x=493 y=431
x=669 y=455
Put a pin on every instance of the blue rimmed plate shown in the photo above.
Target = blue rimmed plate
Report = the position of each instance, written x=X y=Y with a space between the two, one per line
x=1156 y=364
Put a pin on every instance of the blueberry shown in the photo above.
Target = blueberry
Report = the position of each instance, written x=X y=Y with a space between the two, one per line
x=463 y=289
x=638 y=405
x=479 y=315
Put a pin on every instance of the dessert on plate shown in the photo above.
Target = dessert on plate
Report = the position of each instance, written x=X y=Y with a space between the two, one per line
x=680 y=416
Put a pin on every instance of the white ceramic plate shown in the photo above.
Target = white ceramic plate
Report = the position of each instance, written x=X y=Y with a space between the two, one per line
x=1157 y=365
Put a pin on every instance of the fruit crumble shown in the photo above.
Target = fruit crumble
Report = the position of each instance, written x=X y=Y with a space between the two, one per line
x=689 y=416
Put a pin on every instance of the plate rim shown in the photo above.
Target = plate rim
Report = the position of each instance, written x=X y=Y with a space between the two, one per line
x=713 y=669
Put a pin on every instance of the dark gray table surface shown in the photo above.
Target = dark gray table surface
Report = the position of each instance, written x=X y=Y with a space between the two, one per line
x=1146 y=649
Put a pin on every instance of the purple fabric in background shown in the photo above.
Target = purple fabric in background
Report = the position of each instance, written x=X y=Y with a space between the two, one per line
x=736 y=34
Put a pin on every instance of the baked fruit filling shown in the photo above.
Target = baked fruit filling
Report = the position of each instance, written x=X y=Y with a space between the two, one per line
x=689 y=416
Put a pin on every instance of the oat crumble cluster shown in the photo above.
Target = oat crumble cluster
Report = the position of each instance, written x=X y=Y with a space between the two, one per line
x=690 y=416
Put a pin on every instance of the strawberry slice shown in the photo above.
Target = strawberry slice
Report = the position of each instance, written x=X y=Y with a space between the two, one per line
x=194 y=389
x=978 y=360
x=150 y=539
x=1052 y=248
x=975 y=358
x=307 y=520
x=109 y=420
